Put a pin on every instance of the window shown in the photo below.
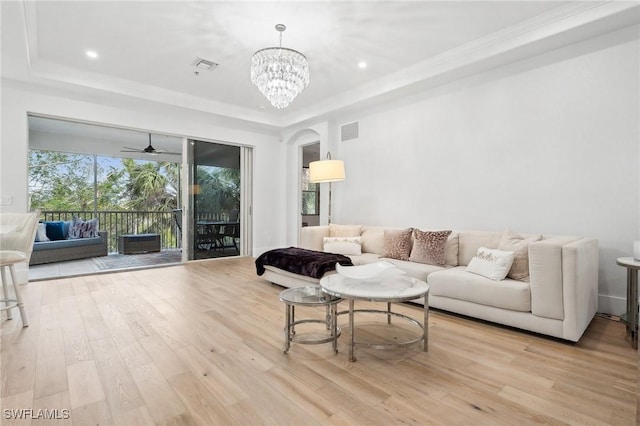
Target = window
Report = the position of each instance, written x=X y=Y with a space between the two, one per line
x=310 y=195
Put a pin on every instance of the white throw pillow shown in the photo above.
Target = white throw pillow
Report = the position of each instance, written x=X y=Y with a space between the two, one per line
x=491 y=263
x=41 y=233
x=343 y=245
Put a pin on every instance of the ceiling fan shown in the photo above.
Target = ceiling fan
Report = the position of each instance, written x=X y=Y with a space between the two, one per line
x=149 y=150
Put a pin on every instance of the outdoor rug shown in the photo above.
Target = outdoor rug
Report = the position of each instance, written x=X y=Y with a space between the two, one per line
x=120 y=261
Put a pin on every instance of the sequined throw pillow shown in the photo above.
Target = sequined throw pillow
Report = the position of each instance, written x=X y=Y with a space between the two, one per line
x=429 y=247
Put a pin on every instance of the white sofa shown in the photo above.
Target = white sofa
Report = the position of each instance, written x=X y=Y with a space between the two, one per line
x=559 y=299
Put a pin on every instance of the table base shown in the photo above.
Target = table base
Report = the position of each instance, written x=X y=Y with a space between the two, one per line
x=330 y=323
x=389 y=313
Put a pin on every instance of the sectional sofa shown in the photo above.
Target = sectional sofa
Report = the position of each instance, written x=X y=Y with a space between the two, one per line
x=556 y=295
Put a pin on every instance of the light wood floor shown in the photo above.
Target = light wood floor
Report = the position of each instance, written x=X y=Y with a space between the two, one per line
x=201 y=344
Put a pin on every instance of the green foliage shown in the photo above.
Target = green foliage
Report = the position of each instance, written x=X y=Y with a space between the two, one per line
x=150 y=186
x=65 y=181
x=60 y=181
x=219 y=190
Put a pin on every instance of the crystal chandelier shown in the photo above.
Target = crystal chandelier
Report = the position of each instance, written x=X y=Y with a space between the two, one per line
x=280 y=73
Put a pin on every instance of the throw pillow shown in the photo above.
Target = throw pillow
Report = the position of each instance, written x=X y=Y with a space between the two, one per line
x=81 y=229
x=343 y=245
x=429 y=247
x=66 y=225
x=41 y=232
x=344 y=230
x=397 y=243
x=520 y=246
x=491 y=263
x=55 y=230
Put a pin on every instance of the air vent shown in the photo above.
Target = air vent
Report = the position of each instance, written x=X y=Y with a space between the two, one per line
x=349 y=131
x=204 y=65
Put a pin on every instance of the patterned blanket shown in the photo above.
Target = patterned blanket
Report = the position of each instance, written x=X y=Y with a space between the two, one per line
x=300 y=261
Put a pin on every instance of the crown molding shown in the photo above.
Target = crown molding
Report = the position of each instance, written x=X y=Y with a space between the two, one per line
x=572 y=20
x=546 y=30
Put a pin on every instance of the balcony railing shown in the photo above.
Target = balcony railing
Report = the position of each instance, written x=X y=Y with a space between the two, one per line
x=118 y=223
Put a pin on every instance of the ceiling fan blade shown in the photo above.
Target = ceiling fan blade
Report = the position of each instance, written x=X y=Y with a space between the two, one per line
x=166 y=152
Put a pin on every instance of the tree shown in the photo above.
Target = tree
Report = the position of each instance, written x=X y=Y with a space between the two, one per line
x=219 y=190
x=150 y=186
x=60 y=181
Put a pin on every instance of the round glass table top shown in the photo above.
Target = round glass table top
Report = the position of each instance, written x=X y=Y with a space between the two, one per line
x=311 y=295
x=396 y=288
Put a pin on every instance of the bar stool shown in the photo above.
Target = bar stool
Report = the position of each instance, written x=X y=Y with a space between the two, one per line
x=17 y=234
x=8 y=259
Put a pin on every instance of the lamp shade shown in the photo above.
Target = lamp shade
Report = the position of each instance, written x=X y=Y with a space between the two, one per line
x=326 y=171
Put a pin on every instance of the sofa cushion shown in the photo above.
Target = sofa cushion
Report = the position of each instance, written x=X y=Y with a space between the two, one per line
x=83 y=229
x=414 y=269
x=520 y=246
x=471 y=241
x=457 y=283
x=343 y=245
x=41 y=232
x=397 y=243
x=76 y=242
x=451 y=256
x=491 y=263
x=373 y=239
x=344 y=230
x=55 y=230
x=429 y=247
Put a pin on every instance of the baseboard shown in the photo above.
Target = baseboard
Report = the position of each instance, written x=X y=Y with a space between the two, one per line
x=612 y=305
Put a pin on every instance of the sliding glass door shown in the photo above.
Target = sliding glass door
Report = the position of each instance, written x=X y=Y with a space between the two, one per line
x=219 y=187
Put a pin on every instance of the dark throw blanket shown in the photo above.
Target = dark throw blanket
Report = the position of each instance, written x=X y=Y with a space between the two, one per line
x=300 y=261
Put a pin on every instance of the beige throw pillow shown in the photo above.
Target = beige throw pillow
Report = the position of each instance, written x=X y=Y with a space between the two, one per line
x=344 y=230
x=429 y=247
x=397 y=243
x=520 y=246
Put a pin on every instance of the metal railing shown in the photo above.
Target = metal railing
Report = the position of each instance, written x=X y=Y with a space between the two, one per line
x=118 y=223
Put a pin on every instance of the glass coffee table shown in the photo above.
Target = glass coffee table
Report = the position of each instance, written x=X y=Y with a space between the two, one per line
x=389 y=289
x=310 y=296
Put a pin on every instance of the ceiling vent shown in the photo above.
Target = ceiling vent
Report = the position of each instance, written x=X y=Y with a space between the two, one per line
x=349 y=131
x=204 y=65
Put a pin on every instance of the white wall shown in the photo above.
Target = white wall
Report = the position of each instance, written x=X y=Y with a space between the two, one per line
x=268 y=191
x=548 y=145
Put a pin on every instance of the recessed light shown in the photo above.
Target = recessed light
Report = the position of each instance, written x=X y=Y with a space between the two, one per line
x=362 y=65
x=92 y=54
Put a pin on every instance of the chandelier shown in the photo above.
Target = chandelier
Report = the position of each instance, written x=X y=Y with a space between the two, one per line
x=280 y=73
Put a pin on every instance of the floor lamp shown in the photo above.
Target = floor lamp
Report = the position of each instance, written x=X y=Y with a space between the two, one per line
x=326 y=171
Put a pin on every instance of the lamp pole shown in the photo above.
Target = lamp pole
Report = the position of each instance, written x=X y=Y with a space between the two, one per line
x=329 y=221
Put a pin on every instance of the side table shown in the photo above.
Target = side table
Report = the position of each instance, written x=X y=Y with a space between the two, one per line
x=310 y=296
x=631 y=316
